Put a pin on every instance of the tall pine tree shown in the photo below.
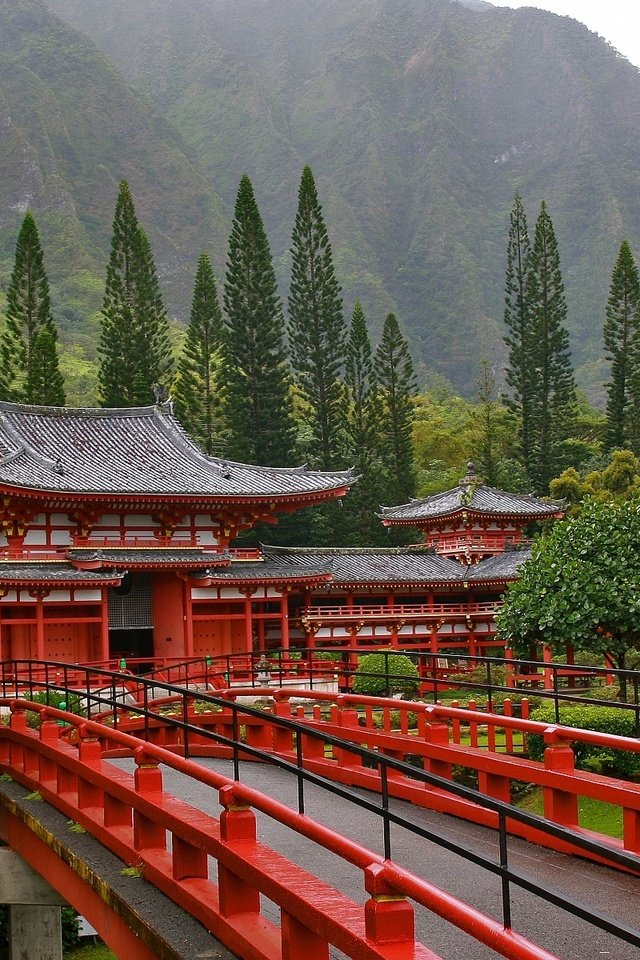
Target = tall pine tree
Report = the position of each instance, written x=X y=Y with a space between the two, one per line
x=520 y=372
x=359 y=523
x=396 y=383
x=258 y=402
x=197 y=392
x=30 y=372
x=316 y=327
x=134 y=348
x=621 y=343
x=553 y=390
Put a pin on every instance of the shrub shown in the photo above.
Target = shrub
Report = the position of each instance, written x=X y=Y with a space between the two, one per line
x=589 y=757
x=371 y=676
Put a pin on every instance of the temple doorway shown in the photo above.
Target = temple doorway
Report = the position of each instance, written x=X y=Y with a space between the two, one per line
x=131 y=619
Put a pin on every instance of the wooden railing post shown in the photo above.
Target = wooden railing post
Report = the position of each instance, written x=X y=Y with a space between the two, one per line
x=388 y=918
x=559 y=805
x=147 y=834
x=237 y=825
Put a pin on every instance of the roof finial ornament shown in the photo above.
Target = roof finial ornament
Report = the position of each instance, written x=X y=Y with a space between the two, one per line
x=160 y=393
x=58 y=467
x=471 y=477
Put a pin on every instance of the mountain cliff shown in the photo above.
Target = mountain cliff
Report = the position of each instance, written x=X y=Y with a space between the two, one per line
x=72 y=128
x=419 y=118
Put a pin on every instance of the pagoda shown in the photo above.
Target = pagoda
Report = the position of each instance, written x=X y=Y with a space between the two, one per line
x=114 y=525
x=116 y=541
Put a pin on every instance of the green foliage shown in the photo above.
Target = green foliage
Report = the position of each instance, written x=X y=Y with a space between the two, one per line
x=396 y=386
x=258 y=402
x=520 y=372
x=134 y=348
x=621 y=723
x=385 y=673
x=198 y=389
x=552 y=383
x=359 y=524
x=581 y=585
x=316 y=328
x=618 y=480
x=29 y=369
x=622 y=345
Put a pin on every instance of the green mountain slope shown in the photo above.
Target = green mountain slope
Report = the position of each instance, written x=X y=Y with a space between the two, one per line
x=72 y=128
x=419 y=118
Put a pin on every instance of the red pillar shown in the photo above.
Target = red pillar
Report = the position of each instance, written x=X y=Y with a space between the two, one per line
x=104 y=625
x=284 y=618
x=40 y=651
x=187 y=609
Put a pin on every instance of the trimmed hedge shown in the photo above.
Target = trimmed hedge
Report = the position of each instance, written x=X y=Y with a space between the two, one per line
x=371 y=680
x=589 y=757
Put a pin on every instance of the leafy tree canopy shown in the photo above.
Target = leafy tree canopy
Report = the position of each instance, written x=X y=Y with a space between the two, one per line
x=581 y=585
x=617 y=480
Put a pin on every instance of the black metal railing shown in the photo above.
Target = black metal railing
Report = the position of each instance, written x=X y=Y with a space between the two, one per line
x=103 y=689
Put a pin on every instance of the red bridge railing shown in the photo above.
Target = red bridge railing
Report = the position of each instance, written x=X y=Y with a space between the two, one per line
x=133 y=816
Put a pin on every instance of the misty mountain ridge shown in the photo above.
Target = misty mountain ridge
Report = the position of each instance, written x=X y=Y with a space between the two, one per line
x=419 y=118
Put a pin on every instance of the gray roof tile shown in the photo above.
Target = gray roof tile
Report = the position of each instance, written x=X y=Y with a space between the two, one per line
x=472 y=498
x=139 y=450
x=54 y=572
x=504 y=566
x=373 y=565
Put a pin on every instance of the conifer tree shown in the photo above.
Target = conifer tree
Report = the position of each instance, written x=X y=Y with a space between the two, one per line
x=44 y=382
x=28 y=352
x=621 y=342
x=135 y=351
x=396 y=383
x=360 y=525
x=197 y=392
x=258 y=402
x=316 y=326
x=520 y=372
x=553 y=389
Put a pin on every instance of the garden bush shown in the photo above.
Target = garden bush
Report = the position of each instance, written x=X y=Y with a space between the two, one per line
x=589 y=757
x=370 y=676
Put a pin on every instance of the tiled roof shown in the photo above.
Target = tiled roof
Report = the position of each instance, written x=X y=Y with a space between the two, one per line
x=155 y=556
x=138 y=450
x=373 y=565
x=263 y=570
x=504 y=566
x=13 y=572
x=473 y=498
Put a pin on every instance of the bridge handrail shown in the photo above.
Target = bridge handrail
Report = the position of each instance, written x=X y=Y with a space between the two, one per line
x=503 y=810
x=551 y=732
x=377 y=869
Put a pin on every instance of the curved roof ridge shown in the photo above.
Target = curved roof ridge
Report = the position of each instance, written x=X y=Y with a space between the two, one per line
x=97 y=412
x=419 y=548
x=222 y=463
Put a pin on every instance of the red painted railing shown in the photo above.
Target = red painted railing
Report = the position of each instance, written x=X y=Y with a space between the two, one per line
x=476 y=542
x=133 y=816
x=398 y=611
x=176 y=542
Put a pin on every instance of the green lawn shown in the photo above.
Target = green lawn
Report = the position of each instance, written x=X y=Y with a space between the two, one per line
x=592 y=814
x=97 y=951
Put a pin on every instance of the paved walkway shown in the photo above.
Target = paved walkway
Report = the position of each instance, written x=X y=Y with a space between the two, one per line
x=560 y=933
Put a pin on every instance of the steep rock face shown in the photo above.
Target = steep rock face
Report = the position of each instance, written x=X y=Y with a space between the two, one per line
x=72 y=128
x=419 y=118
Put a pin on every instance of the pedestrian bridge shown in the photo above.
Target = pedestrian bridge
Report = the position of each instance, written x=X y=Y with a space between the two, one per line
x=312 y=824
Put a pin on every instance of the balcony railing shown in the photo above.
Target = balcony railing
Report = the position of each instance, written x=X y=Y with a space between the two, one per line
x=403 y=611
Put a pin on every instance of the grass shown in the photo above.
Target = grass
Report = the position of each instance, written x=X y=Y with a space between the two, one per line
x=592 y=814
x=91 y=951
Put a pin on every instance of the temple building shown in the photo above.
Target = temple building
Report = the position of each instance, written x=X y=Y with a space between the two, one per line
x=117 y=540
